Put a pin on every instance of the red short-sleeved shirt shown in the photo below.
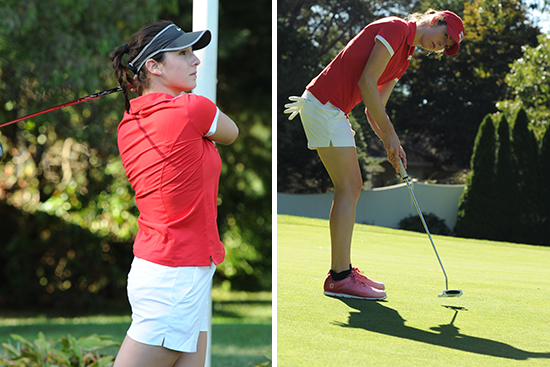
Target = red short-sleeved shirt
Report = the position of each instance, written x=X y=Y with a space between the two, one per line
x=174 y=170
x=338 y=82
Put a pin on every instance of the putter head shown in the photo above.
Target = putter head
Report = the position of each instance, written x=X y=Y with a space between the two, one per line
x=451 y=293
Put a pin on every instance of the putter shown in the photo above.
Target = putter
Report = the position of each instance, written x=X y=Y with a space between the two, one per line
x=447 y=292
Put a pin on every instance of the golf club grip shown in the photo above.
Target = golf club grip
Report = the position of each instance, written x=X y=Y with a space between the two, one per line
x=404 y=173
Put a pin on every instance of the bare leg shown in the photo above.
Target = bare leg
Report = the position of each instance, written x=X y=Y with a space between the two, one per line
x=135 y=354
x=194 y=359
x=343 y=168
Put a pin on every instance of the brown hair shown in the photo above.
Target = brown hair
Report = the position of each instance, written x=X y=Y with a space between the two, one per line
x=133 y=48
x=421 y=18
x=426 y=17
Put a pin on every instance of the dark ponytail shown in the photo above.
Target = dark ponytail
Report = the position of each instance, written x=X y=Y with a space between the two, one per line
x=122 y=73
x=133 y=48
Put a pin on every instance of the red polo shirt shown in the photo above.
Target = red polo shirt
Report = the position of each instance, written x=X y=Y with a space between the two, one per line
x=338 y=82
x=174 y=170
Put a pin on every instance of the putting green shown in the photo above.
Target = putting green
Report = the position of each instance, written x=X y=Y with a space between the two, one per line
x=502 y=319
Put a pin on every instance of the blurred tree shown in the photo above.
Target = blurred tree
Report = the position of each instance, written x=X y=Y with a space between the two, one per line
x=244 y=92
x=297 y=166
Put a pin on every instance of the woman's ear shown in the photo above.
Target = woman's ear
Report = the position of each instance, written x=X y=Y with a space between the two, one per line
x=434 y=21
x=153 y=67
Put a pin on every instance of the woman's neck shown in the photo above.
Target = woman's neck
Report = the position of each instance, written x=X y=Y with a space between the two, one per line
x=420 y=29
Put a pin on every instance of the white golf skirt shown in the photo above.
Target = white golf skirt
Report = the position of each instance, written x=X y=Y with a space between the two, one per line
x=325 y=124
x=169 y=304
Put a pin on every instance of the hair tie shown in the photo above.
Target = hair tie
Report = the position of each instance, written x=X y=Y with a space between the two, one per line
x=125 y=50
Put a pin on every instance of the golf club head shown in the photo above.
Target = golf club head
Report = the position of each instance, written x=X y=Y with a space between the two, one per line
x=451 y=293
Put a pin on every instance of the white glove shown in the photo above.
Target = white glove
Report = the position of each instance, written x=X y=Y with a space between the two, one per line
x=294 y=108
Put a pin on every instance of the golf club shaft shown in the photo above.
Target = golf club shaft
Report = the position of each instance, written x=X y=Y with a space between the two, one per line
x=66 y=104
x=405 y=177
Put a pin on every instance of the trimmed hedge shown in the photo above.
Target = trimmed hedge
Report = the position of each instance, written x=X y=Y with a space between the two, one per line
x=507 y=195
x=435 y=224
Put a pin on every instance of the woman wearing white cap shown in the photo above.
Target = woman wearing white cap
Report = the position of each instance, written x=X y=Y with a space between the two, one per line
x=367 y=70
x=166 y=143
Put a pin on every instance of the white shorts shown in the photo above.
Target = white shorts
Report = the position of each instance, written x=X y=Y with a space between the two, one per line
x=169 y=304
x=325 y=123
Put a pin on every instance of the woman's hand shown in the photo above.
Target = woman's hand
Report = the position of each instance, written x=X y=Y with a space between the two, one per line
x=394 y=151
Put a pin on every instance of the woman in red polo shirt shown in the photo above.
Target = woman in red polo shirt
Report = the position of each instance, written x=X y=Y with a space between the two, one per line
x=367 y=70
x=166 y=143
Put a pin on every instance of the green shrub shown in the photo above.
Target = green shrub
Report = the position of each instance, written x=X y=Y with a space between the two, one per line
x=65 y=352
x=48 y=263
x=505 y=209
x=544 y=202
x=435 y=224
x=527 y=193
x=475 y=210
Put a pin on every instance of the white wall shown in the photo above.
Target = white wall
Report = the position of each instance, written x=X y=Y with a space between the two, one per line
x=384 y=206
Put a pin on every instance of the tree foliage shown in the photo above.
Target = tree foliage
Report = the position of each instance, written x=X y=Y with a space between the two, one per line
x=297 y=61
x=529 y=81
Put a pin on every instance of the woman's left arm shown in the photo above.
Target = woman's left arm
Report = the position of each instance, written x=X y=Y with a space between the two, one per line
x=226 y=130
x=385 y=92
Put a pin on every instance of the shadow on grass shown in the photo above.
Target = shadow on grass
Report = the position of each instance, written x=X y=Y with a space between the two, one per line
x=376 y=317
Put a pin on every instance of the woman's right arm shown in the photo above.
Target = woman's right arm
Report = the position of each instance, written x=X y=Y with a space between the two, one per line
x=226 y=130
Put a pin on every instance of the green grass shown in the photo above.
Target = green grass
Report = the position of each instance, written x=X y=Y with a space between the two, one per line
x=241 y=327
x=502 y=319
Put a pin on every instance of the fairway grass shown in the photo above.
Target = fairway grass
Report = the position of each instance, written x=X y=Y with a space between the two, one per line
x=502 y=319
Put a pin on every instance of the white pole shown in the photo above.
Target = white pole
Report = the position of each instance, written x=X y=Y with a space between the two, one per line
x=205 y=16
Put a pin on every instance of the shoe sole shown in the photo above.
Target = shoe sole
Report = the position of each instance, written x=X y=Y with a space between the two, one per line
x=355 y=297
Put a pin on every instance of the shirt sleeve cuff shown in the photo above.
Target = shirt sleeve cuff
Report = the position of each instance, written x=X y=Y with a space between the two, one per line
x=385 y=43
x=214 y=125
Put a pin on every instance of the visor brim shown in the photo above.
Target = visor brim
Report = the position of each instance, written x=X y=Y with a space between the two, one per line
x=197 y=40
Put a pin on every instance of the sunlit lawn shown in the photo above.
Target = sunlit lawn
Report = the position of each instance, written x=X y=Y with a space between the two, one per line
x=503 y=318
x=241 y=327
